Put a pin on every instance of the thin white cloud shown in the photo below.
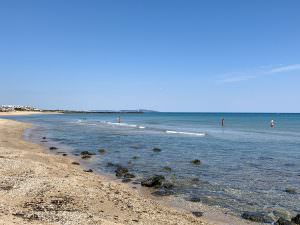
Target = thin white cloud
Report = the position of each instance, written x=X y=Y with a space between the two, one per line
x=285 y=68
x=235 y=79
x=248 y=75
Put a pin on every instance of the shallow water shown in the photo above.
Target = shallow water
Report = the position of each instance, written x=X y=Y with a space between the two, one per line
x=246 y=165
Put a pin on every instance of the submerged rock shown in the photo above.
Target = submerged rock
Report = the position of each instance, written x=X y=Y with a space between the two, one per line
x=75 y=163
x=259 y=217
x=129 y=175
x=197 y=213
x=86 y=156
x=156 y=149
x=194 y=199
x=126 y=180
x=135 y=157
x=102 y=151
x=291 y=191
x=196 y=162
x=296 y=219
x=121 y=171
x=282 y=221
x=163 y=192
x=44 y=138
x=88 y=171
x=154 y=181
x=52 y=148
x=167 y=169
x=87 y=153
x=64 y=154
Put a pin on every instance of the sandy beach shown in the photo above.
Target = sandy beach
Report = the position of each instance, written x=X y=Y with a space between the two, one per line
x=41 y=188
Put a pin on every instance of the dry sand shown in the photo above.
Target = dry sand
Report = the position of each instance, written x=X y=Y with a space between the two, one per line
x=41 y=188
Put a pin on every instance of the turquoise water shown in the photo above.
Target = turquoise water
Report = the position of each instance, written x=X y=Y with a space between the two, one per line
x=246 y=165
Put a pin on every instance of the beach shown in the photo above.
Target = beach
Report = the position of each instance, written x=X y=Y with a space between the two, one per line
x=41 y=188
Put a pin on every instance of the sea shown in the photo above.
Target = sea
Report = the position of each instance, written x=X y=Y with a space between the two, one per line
x=246 y=165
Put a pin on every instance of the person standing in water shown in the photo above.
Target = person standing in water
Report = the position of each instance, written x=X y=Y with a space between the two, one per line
x=222 y=122
x=272 y=123
x=119 y=119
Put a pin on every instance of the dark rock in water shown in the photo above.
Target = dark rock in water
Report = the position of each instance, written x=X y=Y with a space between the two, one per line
x=282 y=221
x=259 y=217
x=196 y=162
x=88 y=171
x=121 y=171
x=44 y=138
x=163 y=192
x=87 y=153
x=135 y=146
x=129 y=175
x=75 y=163
x=126 y=180
x=76 y=154
x=197 y=213
x=135 y=157
x=110 y=164
x=167 y=185
x=86 y=157
x=154 y=181
x=52 y=148
x=296 y=219
x=167 y=169
x=195 y=180
x=135 y=182
x=194 y=199
x=156 y=149
x=64 y=154
x=102 y=151
x=291 y=191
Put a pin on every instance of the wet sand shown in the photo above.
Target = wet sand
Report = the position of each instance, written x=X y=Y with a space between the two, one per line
x=41 y=188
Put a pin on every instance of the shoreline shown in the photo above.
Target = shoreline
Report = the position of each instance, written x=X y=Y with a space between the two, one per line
x=49 y=189
x=25 y=113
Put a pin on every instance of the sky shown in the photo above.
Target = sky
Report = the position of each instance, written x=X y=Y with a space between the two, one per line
x=165 y=55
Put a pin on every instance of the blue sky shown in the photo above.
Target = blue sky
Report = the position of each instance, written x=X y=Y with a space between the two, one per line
x=170 y=55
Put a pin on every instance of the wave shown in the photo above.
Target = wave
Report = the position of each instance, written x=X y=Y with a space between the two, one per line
x=125 y=125
x=185 y=133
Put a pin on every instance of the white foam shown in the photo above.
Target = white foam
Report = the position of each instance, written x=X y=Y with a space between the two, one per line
x=185 y=133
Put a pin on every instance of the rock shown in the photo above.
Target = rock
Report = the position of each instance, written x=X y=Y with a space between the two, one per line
x=162 y=192
x=154 y=181
x=291 y=191
x=126 y=180
x=296 y=219
x=282 y=221
x=102 y=151
x=52 y=148
x=135 y=157
x=75 y=163
x=87 y=153
x=121 y=171
x=43 y=138
x=64 y=154
x=88 y=171
x=194 y=199
x=167 y=169
x=196 y=162
x=86 y=157
x=129 y=175
x=259 y=217
x=156 y=149
x=167 y=185
x=197 y=213
x=279 y=212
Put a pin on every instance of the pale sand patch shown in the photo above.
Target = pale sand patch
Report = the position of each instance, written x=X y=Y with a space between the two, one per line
x=40 y=188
